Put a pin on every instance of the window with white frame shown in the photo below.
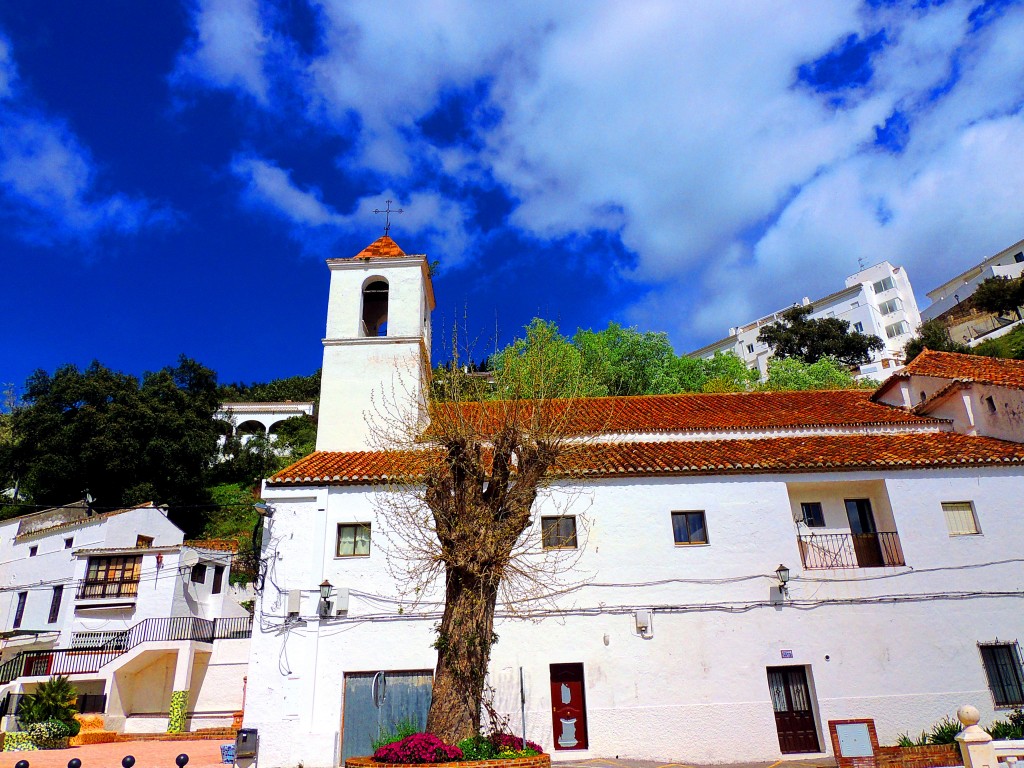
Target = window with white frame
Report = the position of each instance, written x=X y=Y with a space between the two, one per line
x=884 y=284
x=890 y=306
x=353 y=540
x=897 y=329
x=858 y=327
x=558 y=532
x=1003 y=668
x=960 y=518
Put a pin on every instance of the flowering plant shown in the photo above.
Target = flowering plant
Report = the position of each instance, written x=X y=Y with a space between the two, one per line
x=418 y=748
x=506 y=741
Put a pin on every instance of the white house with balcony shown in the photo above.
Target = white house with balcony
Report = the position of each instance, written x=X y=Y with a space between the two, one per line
x=141 y=621
x=878 y=301
x=756 y=563
x=247 y=420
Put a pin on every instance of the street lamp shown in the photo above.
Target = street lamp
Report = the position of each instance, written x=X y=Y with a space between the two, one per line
x=782 y=572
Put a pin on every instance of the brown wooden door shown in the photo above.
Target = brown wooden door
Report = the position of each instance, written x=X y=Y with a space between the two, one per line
x=568 y=706
x=794 y=712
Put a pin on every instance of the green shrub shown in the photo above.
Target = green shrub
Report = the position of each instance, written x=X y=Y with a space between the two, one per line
x=1010 y=728
x=403 y=729
x=904 y=740
x=52 y=700
x=51 y=734
x=945 y=731
x=477 y=748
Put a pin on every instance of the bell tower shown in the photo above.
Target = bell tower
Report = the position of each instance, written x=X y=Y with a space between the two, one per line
x=377 y=346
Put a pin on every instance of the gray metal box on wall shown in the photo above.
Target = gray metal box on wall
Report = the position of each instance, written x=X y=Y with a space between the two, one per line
x=245 y=742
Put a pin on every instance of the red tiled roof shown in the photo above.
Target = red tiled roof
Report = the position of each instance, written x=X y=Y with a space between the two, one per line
x=739 y=411
x=817 y=453
x=950 y=365
x=381 y=248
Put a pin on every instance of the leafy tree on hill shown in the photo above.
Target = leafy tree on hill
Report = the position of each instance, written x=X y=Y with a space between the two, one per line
x=809 y=339
x=544 y=352
x=297 y=388
x=123 y=440
x=933 y=335
x=628 y=362
x=1000 y=294
x=788 y=373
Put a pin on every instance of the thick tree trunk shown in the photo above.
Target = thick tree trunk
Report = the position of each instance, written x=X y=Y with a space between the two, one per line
x=463 y=643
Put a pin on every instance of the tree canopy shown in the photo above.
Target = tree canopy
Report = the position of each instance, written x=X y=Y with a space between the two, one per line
x=800 y=336
x=297 y=388
x=934 y=335
x=1000 y=294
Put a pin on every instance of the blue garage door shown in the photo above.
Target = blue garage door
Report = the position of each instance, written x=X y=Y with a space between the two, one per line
x=380 y=700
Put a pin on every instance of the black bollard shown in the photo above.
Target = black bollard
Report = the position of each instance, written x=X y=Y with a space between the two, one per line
x=74 y=762
x=181 y=760
x=21 y=764
x=128 y=761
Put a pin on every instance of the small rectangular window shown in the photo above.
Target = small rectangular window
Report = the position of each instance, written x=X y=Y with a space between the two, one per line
x=858 y=327
x=960 y=518
x=750 y=349
x=143 y=541
x=353 y=540
x=990 y=403
x=33 y=550
x=883 y=285
x=890 y=306
x=19 y=612
x=58 y=594
x=69 y=542
x=1003 y=668
x=218 y=579
x=558 y=532
x=1018 y=258
x=198 y=573
x=689 y=528
x=896 y=329
x=814 y=517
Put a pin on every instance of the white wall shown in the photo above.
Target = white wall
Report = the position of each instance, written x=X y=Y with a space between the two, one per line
x=703 y=672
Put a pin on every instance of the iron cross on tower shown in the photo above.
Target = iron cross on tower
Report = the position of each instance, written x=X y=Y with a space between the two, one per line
x=387 y=216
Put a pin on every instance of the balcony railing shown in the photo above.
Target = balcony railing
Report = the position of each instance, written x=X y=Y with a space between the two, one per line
x=851 y=550
x=103 y=589
x=77 y=661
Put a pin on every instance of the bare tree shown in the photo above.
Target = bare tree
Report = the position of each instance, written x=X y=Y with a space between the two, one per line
x=459 y=511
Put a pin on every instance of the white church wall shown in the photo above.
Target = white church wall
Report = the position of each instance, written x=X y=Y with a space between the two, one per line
x=704 y=670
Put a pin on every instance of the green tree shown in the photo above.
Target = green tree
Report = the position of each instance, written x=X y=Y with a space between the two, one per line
x=295 y=438
x=1000 y=294
x=298 y=388
x=725 y=372
x=122 y=440
x=628 y=362
x=53 y=699
x=933 y=335
x=798 y=335
x=543 y=360
x=789 y=373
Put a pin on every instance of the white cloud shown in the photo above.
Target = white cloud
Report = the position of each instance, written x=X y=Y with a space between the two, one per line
x=680 y=127
x=269 y=185
x=228 y=48
x=8 y=72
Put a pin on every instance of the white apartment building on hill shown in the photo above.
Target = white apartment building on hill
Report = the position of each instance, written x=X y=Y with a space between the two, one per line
x=898 y=599
x=878 y=301
x=120 y=603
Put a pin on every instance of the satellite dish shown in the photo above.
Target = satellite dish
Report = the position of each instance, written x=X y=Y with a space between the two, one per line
x=189 y=558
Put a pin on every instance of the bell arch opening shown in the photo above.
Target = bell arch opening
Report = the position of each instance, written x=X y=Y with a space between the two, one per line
x=375 y=307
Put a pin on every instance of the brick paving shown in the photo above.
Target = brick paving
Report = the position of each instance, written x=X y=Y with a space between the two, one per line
x=603 y=762
x=147 y=754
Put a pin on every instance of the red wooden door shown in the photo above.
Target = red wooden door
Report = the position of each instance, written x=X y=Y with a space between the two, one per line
x=794 y=713
x=568 y=706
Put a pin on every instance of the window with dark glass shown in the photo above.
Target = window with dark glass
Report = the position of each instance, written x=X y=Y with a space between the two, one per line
x=218 y=579
x=69 y=542
x=689 y=528
x=558 y=532
x=143 y=541
x=111 y=577
x=58 y=595
x=33 y=550
x=814 y=517
x=353 y=540
x=19 y=612
x=198 y=574
x=1003 y=668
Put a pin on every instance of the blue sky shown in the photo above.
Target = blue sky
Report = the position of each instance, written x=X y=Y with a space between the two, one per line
x=172 y=176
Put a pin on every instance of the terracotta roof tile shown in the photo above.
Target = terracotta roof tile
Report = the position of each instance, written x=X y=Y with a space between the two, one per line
x=381 y=248
x=741 y=411
x=915 y=450
x=950 y=365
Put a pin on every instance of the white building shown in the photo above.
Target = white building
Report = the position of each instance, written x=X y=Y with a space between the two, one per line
x=967 y=324
x=878 y=301
x=263 y=418
x=134 y=615
x=901 y=538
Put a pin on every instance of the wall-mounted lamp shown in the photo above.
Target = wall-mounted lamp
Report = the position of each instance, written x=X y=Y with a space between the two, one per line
x=782 y=572
x=325 y=597
x=263 y=509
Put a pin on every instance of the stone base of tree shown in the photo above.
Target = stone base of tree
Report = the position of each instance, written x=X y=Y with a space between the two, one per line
x=536 y=761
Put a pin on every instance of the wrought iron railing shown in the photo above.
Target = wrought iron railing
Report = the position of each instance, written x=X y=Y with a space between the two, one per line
x=851 y=550
x=104 y=588
x=76 y=661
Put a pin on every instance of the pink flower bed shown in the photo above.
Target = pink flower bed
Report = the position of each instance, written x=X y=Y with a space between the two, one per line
x=418 y=748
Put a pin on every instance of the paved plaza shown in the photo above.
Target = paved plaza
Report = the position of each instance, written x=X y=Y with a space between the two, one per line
x=147 y=754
